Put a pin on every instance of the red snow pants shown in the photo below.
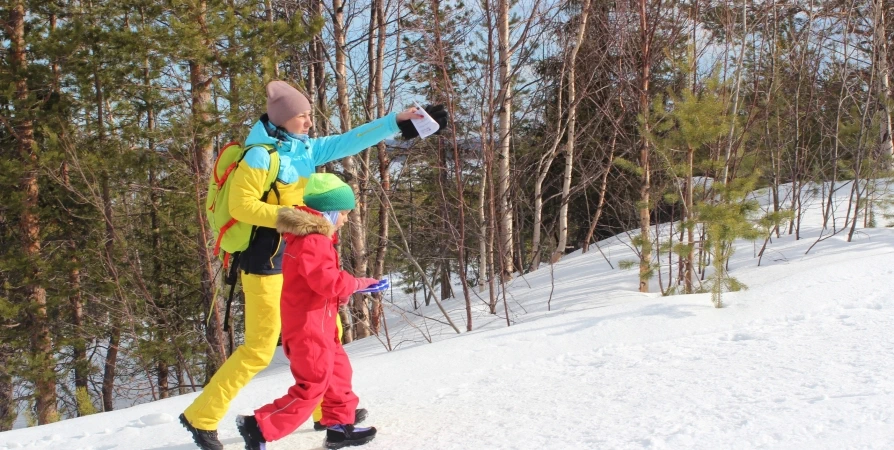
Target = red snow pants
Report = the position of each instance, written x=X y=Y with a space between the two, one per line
x=321 y=369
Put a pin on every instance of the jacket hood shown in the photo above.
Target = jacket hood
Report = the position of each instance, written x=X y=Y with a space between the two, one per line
x=259 y=135
x=301 y=223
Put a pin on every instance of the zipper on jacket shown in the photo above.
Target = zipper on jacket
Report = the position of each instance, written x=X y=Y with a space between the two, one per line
x=276 y=250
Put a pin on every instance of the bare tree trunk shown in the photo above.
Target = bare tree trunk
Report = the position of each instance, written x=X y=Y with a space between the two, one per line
x=382 y=153
x=360 y=310
x=739 y=68
x=603 y=187
x=39 y=329
x=162 y=325
x=79 y=350
x=492 y=233
x=8 y=411
x=76 y=301
x=162 y=367
x=111 y=363
x=111 y=360
x=687 y=263
x=181 y=380
x=322 y=129
x=458 y=170
x=572 y=129
x=505 y=115
x=482 y=227
x=321 y=126
x=689 y=215
x=80 y=365
x=446 y=287
x=543 y=166
x=645 y=181
x=486 y=243
x=886 y=149
x=268 y=16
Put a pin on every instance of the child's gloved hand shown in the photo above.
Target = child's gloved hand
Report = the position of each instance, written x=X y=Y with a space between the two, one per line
x=363 y=283
x=437 y=112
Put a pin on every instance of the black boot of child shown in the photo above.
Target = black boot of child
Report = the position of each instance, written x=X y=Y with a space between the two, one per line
x=251 y=432
x=338 y=436
x=359 y=416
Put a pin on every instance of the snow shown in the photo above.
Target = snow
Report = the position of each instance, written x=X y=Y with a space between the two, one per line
x=804 y=358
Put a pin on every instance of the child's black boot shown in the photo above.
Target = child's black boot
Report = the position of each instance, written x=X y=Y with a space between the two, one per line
x=251 y=432
x=338 y=436
x=359 y=416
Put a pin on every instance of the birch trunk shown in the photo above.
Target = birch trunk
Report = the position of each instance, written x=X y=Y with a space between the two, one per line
x=505 y=127
x=355 y=218
x=572 y=129
x=645 y=180
x=688 y=203
x=543 y=166
x=886 y=149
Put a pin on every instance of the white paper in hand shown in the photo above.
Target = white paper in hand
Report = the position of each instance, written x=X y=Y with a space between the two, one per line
x=426 y=126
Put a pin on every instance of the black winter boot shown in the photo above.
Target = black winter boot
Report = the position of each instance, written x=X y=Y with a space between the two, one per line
x=251 y=432
x=359 y=416
x=338 y=436
x=205 y=439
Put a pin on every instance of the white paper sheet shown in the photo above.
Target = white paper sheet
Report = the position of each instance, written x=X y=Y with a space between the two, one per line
x=425 y=126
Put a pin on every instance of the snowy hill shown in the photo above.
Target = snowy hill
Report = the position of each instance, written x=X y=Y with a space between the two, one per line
x=803 y=359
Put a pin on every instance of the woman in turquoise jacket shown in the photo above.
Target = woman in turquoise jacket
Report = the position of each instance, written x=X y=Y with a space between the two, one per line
x=284 y=129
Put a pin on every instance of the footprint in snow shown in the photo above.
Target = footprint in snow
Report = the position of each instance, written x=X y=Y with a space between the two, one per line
x=156 y=419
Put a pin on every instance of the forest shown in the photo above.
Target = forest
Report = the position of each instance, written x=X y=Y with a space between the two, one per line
x=571 y=121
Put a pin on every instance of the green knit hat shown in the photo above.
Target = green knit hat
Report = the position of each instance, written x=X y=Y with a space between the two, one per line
x=326 y=192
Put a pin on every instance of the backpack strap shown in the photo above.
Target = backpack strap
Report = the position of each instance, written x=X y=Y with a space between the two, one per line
x=230 y=279
x=272 y=174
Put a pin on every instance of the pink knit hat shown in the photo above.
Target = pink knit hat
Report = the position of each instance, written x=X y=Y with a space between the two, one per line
x=284 y=102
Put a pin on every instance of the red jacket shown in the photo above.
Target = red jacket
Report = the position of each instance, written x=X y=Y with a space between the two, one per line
x=312 y=285
x=312 y=278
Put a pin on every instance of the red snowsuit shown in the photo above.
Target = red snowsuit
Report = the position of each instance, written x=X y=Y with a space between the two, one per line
x=312 y=285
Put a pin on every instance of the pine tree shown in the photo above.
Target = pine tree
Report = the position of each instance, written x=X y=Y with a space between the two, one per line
x=683 y=136
x=28 y=305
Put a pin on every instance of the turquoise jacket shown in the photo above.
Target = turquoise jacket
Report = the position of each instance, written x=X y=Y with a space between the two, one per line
x=298 y=158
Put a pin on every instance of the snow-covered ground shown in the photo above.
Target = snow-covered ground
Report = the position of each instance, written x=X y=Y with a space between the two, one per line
x=803 y=359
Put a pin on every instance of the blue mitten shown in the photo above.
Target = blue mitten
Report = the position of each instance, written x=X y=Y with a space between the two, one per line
x=382 y=285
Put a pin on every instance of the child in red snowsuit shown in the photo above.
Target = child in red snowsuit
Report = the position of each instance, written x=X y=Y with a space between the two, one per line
x=313 y=288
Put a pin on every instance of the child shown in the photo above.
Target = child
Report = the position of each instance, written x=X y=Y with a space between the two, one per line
x=313 y=288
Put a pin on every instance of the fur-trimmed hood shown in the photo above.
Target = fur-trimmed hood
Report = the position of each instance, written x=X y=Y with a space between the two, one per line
x=301 y=223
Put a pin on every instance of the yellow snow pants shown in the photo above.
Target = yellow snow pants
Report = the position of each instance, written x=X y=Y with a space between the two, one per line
x=318 y=412
x=262 y=327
